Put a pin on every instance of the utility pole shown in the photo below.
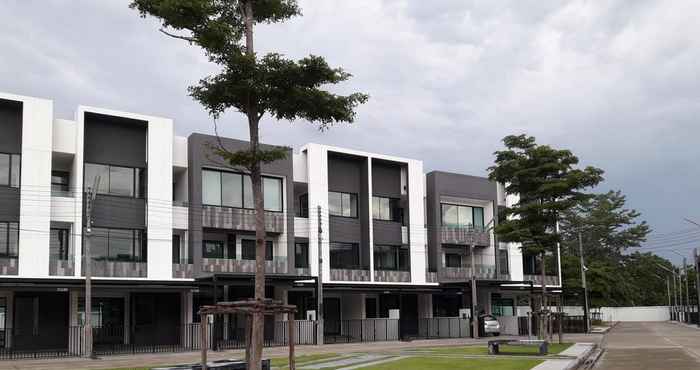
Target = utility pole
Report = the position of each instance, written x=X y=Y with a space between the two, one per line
x=475 y=315
x=697 y=282
x=87 y=264
x=319 y=285
x=583 y=284
x=687 y=294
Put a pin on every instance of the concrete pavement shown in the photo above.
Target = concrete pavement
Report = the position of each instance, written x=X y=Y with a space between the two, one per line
x=652 y=346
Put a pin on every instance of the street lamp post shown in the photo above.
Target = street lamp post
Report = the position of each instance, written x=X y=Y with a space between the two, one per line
x=675 y=290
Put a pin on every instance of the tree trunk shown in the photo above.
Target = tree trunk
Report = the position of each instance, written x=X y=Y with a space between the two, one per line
x=544 y=299
x=257 y=332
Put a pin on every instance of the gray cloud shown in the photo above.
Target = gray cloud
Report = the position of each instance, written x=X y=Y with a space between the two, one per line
x=615 y=81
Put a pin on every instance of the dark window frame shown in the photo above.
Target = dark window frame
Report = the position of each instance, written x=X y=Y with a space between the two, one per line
x=354 y=213
x=11 y=157
x=243 y=195
x=63 y=254
x=303 y=209
x=220 y=245
x=139 y=235
x=397 y=251
x=303 y=261
x=334 y=262
x=395 y=211
x=60 y=186
x=473 y=225
x=448 y=257
x=139 y=181
x=8 y=253
x=176 y=248
x=269 y=250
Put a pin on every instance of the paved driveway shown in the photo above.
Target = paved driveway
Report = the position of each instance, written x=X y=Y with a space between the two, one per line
x=651 y=345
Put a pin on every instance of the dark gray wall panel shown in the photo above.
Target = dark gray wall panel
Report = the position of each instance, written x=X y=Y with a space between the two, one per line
x=386 y=232
x=386 y=179
x=115 y=140
x=10 y=126
x=200 y=156
x=119 y=212
x=345 y=173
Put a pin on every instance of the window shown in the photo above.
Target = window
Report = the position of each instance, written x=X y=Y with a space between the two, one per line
x=462 y=216
x=125 y=245
x=502 y=306
x=60 y=181
x=391 y=257
x=301 y=255
x=235 y=190
x=303 y=208
x=345 y=256
x=58 y=244
x=387 y=209
x=453 y=260
x=231 y=247
x=342 y=204
x=248 y=249
x=10 y=165
x=9 y=239
x=176 y=248
x=212 y=249
x=116 y=180
x=503 y=261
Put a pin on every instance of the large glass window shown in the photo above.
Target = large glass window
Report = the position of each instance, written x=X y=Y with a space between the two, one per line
x=503 y=261
x=248 y=249
x=453 y=260
x=60 y=181
x=212 y=249
x=387 y=209
x=303 y=206
x=10 y=165
x=230 y=189
x=391 y=257
x=116 y=180
x=301 y=255
x=342 y=204
x=462 y=216
x=345 y=256
x=58 y=243
x=126 y=245
x=176 y=248
x=9 y=239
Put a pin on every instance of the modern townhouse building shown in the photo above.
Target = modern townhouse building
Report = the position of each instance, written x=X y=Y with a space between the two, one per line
x=389 y=248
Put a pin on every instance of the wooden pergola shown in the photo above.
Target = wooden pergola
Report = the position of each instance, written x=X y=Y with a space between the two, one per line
x=249 y=308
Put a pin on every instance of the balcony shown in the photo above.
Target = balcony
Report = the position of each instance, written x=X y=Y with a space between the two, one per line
x=107 y=268
x=222 y=265
x=349 y=275
x=537 y=279
x=431 y=277
x=239 y=219
x=182 y=270
x=9 y=266
x=391 y=276
x=482 y=272
x=466 y=235
x=58 y=267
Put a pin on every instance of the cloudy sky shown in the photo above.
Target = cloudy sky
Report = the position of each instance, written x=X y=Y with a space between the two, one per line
x=617 y=82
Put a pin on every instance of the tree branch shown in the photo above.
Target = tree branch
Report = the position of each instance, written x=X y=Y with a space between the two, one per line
x=188 y=39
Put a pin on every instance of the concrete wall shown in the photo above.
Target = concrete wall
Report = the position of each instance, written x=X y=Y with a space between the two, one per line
x=641 y=313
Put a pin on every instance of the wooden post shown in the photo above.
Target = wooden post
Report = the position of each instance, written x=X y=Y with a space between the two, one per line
x=203 y=339
x=291 y=336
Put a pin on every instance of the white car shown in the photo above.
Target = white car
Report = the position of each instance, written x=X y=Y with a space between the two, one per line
x=490 y=325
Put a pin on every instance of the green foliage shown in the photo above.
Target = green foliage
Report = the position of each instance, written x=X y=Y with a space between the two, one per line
x=547 y=184
x=249 y=83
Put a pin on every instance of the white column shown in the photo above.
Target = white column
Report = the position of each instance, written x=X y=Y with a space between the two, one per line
x=160 y=195
x=35 y=187
x=416 y=209
x=371 y=220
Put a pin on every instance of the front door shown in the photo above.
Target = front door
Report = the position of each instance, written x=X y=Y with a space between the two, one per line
x=331 y=316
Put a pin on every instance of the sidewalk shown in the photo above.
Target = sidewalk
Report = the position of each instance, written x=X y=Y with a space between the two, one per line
x=160 y=359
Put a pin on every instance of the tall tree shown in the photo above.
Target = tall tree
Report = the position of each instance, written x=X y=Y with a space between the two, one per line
x=608 y=229
x=253 y=85
x=546 y=183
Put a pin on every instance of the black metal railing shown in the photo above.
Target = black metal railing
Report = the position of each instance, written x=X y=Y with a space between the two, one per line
x=360 y=330
x=32 y=343
x=570 y=324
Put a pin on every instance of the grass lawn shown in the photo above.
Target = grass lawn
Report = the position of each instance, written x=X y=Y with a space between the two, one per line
x=303 y=359
x=437 y=363
x=554 y=348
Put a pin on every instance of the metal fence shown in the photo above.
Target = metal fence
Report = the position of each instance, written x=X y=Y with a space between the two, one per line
x=443 y=327
x=570 y=324
x=360 y=330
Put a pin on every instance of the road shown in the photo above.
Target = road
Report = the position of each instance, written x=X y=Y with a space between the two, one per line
x=651 y=345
